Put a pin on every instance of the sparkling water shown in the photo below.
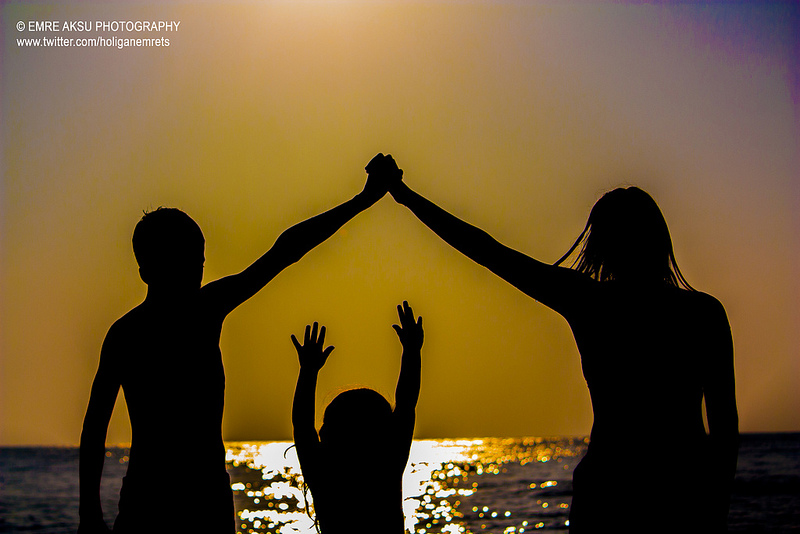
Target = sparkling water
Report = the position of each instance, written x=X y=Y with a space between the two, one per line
x=490 y=485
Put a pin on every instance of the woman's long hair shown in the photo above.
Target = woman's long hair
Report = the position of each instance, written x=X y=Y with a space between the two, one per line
x=626 y=231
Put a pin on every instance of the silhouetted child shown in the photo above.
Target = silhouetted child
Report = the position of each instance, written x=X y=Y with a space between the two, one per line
x=165 y=355
x=354 y=467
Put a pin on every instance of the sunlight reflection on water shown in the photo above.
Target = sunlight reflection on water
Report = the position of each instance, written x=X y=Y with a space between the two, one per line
x=450 y=486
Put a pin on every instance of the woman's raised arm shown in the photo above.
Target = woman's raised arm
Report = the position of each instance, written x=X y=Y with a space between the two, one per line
x=555 y=287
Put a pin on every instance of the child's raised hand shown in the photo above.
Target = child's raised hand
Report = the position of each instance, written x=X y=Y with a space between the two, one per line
x=311 y=354
x=409 y=330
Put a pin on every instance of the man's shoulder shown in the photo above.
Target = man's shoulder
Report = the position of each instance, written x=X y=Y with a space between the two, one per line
x=134 y=316
x=129 y=324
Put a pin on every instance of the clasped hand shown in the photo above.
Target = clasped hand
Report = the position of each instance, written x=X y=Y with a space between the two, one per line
x=383 y=175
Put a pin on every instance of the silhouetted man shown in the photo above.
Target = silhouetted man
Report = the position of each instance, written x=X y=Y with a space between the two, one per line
x=165 y=355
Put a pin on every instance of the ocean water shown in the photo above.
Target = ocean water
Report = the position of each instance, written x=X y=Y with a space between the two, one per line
x=489 y=485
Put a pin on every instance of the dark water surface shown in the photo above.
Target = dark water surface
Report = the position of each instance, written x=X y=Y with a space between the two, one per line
x=501 y=486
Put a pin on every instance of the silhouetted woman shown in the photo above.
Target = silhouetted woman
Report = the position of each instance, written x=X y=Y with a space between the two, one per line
x=652 y=350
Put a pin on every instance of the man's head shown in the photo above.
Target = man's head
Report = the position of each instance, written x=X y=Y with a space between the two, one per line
x=170 y=249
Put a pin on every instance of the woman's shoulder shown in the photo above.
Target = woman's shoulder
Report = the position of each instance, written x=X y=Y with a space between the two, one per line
x=669 y=298
x=702 y=310
x=701 y=300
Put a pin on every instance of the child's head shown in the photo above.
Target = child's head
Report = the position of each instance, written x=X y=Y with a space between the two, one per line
x=170 y=249
x=355 y=415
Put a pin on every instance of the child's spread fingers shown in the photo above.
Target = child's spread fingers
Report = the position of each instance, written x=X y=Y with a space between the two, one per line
x=409 y=311
x=321 y=339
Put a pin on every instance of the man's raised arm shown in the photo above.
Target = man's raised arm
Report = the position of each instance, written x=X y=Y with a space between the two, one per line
x=295 y=242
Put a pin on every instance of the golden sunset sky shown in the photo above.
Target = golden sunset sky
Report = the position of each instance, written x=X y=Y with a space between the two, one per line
x=515 y=116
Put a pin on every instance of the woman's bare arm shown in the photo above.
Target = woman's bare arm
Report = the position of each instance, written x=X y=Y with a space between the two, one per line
x=555 y=287
x=719 y=390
